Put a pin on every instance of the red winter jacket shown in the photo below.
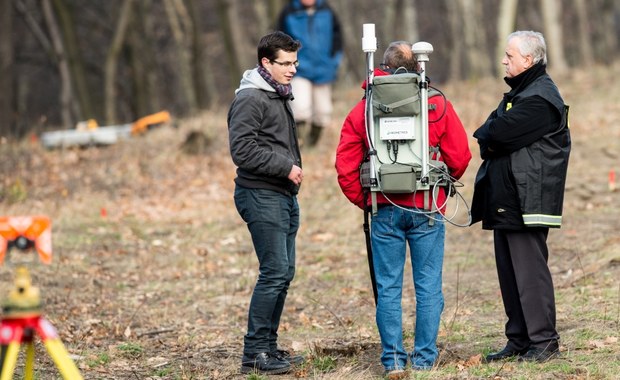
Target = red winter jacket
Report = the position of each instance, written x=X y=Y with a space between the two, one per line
x=448 y=133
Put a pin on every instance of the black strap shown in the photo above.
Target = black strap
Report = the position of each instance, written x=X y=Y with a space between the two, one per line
x=371 y=266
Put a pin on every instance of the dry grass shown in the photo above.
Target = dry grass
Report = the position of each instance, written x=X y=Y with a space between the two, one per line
x=153 y=268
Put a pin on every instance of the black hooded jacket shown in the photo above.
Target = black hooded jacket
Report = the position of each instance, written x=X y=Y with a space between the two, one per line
x=525 y=144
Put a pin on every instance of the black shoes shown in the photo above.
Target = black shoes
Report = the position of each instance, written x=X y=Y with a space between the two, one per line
x=270 y=363
x=285 y=355
x=264 y=363
x=540 y=355
x=531 y=354
x=505 y=353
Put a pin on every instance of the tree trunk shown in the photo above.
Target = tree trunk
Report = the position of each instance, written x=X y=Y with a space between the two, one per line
x=144 y=45
x=553 y=35
x=180 y=26
x=263 y=21
x=66 y=91
x=585 y=44
x=274 y=7
x=74 y=58
x=353 y=60
x=478 y=64
x=138 y=41
x=204 y=87
x=606 y=30
x=245 y=40
x=6 y=69
x=407 y=17
x=388 y=28
x=111 y=61
x=226 y=18
x=455 y=23
x=36 y=29
x=505 y=25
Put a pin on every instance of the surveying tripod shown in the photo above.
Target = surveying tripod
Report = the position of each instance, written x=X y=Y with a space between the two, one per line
x=22 y=318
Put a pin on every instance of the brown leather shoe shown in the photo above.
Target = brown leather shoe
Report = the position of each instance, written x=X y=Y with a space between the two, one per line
x=395 y=374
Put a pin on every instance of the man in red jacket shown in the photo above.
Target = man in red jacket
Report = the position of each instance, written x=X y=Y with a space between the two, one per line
x=400 y=220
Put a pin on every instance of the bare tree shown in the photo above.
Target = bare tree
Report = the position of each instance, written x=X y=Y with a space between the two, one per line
x=505 y=25
x=226 y=17
x=351 y=29
x=605 y=30
x=585 y=45
x=206 y=95
x=181 y=26
x=6 y=68
x=142 y=60
x=388 y=25
x=111 y=61
x=67 y=98
x=399 y=21
x=264 y=21
x=145 y=64
x=74 y=58
x=553 y=35
x=274 y=7
x=455 y=21
x=478 y=65
x=408 y=19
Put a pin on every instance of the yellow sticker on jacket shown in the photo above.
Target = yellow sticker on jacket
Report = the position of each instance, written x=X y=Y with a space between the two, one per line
x=508 y=106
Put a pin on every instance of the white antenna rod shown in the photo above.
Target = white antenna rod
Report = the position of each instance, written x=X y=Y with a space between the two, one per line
x=421 y=50
x=369 y=46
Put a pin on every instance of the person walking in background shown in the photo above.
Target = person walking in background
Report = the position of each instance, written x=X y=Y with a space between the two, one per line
x=263 y=145
x=399 y=222
x=315 y=25
x=519 y=191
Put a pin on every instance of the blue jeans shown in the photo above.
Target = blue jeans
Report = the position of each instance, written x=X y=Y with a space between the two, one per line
x=392 y=228
x=273 y=221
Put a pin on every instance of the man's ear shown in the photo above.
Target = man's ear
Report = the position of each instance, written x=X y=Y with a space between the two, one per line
x=529 y=60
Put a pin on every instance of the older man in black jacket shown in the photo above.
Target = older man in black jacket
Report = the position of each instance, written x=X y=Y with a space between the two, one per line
x=519 y=192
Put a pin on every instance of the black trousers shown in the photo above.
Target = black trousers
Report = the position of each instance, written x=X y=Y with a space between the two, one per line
x=527 y=288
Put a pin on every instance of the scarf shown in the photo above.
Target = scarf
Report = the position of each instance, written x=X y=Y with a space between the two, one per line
x=284 y=90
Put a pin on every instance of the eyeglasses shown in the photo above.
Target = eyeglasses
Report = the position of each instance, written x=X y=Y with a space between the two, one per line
x=285 y=64
x=383 y=66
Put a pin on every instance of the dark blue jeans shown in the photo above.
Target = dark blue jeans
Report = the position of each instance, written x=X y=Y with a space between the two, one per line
x=273 y=221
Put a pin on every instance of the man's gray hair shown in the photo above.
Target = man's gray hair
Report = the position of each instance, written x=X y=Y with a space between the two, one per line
x=399 y=55
x=531 y=43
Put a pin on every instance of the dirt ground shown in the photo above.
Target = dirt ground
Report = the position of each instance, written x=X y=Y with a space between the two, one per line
x=153 y=269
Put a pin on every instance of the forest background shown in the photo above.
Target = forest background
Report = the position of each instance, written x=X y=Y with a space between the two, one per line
x=153 y=268
x=63 y=61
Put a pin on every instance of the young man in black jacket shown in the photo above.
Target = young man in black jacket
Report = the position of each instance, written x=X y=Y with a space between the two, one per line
x=519 y=192
x=263 y=145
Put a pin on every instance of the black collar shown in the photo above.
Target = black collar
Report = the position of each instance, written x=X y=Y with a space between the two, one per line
x=525 y=78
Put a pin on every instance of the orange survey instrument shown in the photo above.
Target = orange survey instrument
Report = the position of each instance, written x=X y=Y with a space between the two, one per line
x=22 y=317
x=25 y=232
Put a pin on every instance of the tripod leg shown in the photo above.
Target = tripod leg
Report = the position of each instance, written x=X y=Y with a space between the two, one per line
x=61 y=358
x=9 y=360
x=29 y=368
